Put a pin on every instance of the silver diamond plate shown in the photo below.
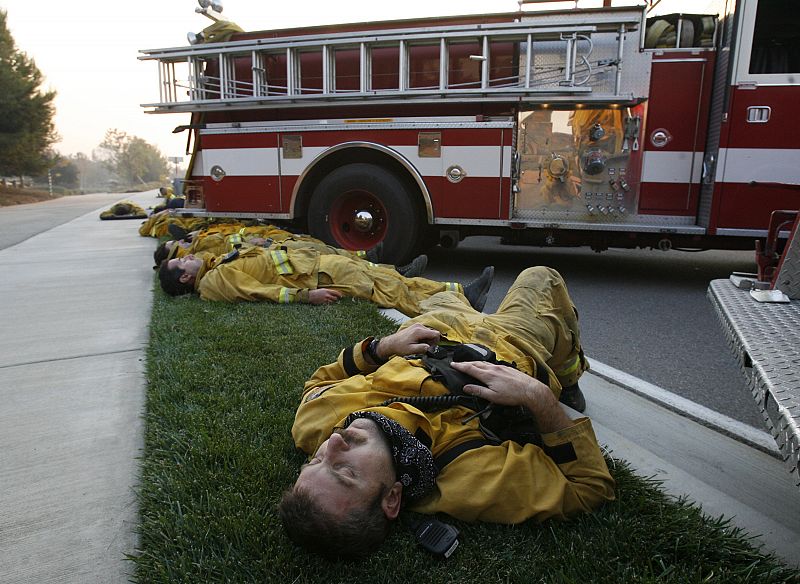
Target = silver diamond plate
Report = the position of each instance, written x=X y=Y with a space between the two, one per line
x=788 y=278
x=766 y=341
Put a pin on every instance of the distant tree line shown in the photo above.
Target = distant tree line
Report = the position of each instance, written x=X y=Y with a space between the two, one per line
x=27 y=134
x=132 y=159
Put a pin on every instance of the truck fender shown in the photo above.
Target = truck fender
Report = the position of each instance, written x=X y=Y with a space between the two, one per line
x=402 y=160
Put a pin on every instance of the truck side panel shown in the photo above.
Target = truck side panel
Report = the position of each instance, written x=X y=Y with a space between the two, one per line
x=758 y=168
x=675 y=132
x=263 y=171
x=764 y=152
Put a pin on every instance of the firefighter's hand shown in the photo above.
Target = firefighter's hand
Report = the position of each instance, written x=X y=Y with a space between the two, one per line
x=323 y=296
x=502 y=385
x=408 y=341
x=507 y=386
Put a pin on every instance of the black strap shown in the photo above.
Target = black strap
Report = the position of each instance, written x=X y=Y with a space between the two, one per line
x=450 y=455
x=561 y=454
x=349 y=362
x=423 y=437
x=541 y=374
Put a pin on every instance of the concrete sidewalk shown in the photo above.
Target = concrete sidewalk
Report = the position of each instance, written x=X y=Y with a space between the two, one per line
x=75 y=310
x=724 y=475
x=76 y=303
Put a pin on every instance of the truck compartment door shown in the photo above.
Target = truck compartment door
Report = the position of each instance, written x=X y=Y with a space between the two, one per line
x=759 y=159
x=240 y=172
x=675 y=136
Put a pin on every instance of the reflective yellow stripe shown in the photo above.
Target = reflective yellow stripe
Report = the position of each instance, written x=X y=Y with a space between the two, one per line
x=281 y=260
x=570 y=368
x=452 y=286
x=372 y=265
x=285 y=296
x=234 y=241
x=243 y=231
x=361 y=253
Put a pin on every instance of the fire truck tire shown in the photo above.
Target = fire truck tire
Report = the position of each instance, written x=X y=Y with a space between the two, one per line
x=359 y=205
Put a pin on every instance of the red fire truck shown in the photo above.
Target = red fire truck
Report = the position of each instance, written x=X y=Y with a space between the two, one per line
x=603 y=127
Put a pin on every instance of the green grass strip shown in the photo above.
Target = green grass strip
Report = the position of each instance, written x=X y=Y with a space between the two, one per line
x=224 y=382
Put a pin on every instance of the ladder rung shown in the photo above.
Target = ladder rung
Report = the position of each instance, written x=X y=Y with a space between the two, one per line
x=555 y=71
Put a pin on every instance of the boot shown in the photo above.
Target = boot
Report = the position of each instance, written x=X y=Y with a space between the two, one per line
x=477 y=290
x=375 y=254
x=176 y=231
x=572 y=397
x=415 y=268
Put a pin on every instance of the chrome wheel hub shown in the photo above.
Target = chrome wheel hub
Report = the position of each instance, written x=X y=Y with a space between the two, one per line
x=363 y=220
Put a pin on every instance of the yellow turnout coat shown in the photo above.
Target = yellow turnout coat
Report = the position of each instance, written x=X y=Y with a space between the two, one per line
x=287 y=276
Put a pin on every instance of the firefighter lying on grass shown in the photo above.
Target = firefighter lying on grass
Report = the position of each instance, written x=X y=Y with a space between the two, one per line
x=243 y=231
x=304 y=275
x=157 y=224
x=377 y=442
x=163 y=223
x=220 y=244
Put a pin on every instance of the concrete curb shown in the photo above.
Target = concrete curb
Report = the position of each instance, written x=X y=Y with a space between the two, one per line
x=760 y=440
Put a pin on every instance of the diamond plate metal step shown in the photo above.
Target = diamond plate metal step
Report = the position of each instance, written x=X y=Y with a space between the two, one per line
x=766 y=341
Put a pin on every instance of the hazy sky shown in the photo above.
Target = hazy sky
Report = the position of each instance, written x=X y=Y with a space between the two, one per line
x=88 y=51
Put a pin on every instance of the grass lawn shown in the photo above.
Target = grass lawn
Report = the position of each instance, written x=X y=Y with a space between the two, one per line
x=224 y=381
x=17 y=196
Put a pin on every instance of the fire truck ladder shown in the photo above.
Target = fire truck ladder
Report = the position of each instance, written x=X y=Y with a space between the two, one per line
x=555 y=62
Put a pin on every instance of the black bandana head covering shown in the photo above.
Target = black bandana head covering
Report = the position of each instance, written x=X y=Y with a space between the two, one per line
x=413 y=461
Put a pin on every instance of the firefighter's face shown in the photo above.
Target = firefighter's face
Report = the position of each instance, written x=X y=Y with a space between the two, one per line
x=350 y=469
x=189 y=264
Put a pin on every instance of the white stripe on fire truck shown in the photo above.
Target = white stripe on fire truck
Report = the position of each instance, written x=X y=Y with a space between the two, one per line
x=477 y=161
x=735 y=165
x=742 y=165
x=672 y=167
x=240 y=161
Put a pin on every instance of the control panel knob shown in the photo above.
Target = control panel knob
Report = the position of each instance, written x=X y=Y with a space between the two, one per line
x=594 y=162
x=596 y=132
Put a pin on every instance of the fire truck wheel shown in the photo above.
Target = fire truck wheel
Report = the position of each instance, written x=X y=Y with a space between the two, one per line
x=359 y=205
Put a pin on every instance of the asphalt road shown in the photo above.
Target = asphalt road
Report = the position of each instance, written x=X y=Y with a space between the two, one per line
x=643 y=312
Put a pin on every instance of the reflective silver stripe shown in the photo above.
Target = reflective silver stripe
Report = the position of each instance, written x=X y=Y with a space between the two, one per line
x=452 y=286
x=286 y=296
x=281 y=260
x=571 y=368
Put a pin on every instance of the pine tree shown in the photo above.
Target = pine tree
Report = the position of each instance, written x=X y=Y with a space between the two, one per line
x=26 y=111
